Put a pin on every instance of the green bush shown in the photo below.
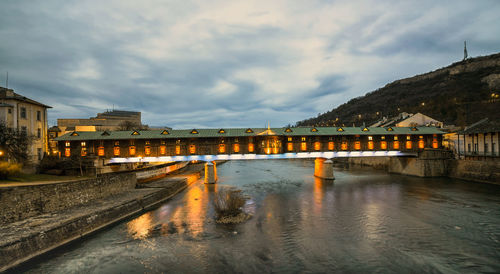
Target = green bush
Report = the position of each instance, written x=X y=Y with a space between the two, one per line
x=9 y=170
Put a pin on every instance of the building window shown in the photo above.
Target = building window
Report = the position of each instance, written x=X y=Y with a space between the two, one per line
x=10 y=111
x=357 y=145
x=395 y=145
x=132 y=142
x=317 y=145
x=408 y=137
x=39 y=133
x=177 y=150
x=382 y=137
x=435 y=143
x=24 y=130
x=395 y=138
x=303 y=139
x=117 y=143
x=68 y=143
x=370 y=138
x=331 y=145
x=100 y=151
x=131 y=150
x=38 y=115
x=84 y=144
x=485 y=148
x=383 y=145
x=39 y=152
x=23 y=113
x=163 y=150
x=178 y=142
x=344 y=145
x=289 y=146
x=236 y=140
x=421 y=144
x=408 y=144
x=148 y=142
x=67 y=152
x=222 y=148
x=303 y=145
x=236 y=148
x=147 y=150
x=192 y=149
x=468 y=147
x=250 y=147
x=370 y=145
x=84 y=151
x=290 y=139
x=116 y=151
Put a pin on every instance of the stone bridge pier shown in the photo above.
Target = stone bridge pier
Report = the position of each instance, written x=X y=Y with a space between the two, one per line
x=210 y=172
x=323 y=168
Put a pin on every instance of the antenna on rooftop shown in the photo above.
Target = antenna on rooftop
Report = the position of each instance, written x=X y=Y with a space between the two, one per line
x=465 y=50
x=7 y=80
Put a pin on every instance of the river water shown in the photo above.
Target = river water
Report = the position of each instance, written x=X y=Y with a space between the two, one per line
x=366 y=221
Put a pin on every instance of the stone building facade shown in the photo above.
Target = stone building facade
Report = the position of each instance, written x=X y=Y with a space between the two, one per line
x=26 y=115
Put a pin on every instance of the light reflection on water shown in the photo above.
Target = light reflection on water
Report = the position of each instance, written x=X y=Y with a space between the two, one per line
x=364 y=221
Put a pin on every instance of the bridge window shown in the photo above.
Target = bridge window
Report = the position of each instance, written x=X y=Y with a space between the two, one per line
x=408 y=137
x=131 y=150
x=163 y=150
x=147 y=150
x=177 y=150
x=236 y=148
x=370 y=145
x=164 y=132
x=148 y=142
x=116 y=151
x=303 y=145
x=289 y=146
x=303 y=139
x=250 y=147
x=344 y=146
x=395 y=145
x=421 y=144
x=357 y=145
x=395 y=138
x=370 y=138
x=192 y=149
x=390 y=129
x=177 y=142
x=222 y=131
x=68 y=144
x=83 y=144
x=435 y=143
x=249 y=130
x=288 y=130
x=340 y=129
x=100 y=151
x=383 y=145
x=366 y=129
x=67 y=152
x=408 y=144
x=135 y=132
x=331 y=145
x=314 y=129
x=382 y=137
x=222 y=148
x=290 y=139
x=194 y=131
x=317 y=145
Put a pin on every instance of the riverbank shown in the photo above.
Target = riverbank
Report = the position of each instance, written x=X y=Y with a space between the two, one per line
x=29 y=237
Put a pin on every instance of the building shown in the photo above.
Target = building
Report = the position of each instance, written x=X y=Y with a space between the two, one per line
x=109 y=120
x=157 y=143
x=408 y=120
x=479 y=141
x=28 y=116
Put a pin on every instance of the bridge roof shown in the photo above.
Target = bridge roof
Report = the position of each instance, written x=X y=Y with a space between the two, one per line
x=243 y=132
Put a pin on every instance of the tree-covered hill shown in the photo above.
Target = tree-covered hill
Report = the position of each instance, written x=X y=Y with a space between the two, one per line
x=459 y=94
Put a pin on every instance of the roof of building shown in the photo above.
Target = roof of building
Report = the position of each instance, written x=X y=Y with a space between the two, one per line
x=54 y=129
x=119 y=113
x=483 y=126
x=242 y=132
x=18 y=97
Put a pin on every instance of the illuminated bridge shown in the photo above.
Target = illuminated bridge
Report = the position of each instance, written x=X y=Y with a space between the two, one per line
x=118 y=147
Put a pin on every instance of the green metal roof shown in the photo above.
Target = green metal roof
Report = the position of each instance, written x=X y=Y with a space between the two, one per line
x=242 y=132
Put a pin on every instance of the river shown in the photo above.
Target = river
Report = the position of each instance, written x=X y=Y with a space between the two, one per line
x=365 y=221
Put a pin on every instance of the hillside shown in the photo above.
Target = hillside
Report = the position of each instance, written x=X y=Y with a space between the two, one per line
x=459 y=94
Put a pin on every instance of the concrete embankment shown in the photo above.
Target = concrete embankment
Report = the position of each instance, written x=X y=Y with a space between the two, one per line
x=29 y=237
x=432 y=163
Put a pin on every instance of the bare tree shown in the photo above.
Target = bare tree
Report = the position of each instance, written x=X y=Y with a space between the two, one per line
x=14 y=143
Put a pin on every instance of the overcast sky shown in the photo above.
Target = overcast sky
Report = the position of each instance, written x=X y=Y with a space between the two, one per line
x=193 y=64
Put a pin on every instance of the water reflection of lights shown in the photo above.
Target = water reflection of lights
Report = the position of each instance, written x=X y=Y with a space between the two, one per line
x=140 y=227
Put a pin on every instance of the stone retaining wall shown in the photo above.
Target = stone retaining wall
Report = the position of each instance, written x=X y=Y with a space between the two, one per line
x=21 y=202
x=479 y=171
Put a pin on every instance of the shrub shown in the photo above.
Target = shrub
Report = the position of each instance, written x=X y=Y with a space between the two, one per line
x=9 y=169
x=229 y=202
